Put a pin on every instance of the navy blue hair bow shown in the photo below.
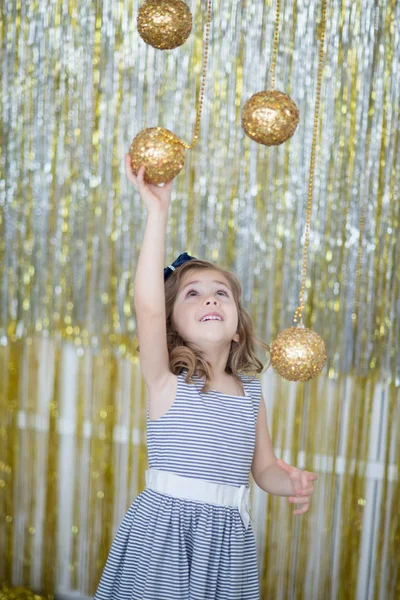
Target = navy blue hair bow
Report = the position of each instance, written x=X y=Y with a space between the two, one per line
x=182 y=258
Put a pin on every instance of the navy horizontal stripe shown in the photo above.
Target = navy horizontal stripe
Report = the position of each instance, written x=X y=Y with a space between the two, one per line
x=167 y=548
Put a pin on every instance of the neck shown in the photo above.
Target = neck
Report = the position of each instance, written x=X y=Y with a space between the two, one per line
x=218 y=359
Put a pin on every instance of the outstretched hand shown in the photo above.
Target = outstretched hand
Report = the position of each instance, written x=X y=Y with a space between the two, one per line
x=153 y=196
x=302 y=486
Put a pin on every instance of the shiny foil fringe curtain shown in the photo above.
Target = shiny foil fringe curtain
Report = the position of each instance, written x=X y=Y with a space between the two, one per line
x=74 y=453
x=77 y=85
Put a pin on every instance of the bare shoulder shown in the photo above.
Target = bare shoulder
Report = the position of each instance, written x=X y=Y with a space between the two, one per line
x=161 y=395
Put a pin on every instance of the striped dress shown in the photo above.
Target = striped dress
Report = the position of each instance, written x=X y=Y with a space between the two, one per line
x=168 y=548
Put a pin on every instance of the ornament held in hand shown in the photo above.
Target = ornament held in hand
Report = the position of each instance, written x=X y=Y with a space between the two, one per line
x=161 y=151
x=164 y=24
x=270 y=117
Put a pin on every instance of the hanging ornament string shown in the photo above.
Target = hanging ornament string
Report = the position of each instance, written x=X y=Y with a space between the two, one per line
x=270 y=117
x=159 y=149
x=298 y=353
x=299 y=310
x=203 y=79
x=276 y=42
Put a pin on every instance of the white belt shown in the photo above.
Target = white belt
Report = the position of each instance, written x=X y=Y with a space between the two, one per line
x=200 y=490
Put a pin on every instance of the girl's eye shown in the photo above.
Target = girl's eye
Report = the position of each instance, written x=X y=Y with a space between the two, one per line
x=191 y=292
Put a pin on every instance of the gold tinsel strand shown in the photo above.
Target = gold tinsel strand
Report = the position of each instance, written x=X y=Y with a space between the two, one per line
x=66 y=214
x=20 y=593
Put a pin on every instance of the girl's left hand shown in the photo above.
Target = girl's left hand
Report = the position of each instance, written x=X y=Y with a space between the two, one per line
x=302 y=486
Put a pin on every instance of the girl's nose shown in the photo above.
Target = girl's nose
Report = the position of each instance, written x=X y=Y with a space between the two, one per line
x=212 y=301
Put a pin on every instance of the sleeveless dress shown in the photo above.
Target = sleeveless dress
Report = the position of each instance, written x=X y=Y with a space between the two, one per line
x=168 y=548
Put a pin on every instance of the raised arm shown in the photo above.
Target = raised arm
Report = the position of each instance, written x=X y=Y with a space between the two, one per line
x=149 y=296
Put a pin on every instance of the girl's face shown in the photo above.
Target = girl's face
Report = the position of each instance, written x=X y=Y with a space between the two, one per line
x=205 y=310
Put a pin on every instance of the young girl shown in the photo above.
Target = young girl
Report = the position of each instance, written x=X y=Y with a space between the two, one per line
x=188 y=535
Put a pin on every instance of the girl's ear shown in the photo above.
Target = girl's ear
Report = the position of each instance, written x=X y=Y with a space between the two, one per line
x=236 y=337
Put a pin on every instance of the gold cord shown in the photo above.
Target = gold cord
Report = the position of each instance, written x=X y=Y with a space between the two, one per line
x=300 y=308
x=203 y=77
x=276 y=41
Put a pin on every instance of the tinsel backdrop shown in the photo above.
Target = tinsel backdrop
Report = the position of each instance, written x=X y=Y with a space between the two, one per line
x=77 y=84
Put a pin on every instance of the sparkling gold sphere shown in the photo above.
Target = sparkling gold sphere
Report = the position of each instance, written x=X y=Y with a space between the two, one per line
x=270 y=117
x=164 y=24
x=298 y=353
x=161 y=151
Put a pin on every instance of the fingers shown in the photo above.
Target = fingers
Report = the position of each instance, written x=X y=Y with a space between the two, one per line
x=168 y=185
x=301 y=511
x=302 y=486
x=303 y=479
x=305 y=488
x=298 y=477
x=140 y=174
x=128 y=170
x=138 y=179
x=298 y=500
x=305 y=491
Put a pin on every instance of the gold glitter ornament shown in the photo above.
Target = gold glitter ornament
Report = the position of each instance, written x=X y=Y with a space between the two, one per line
x=270 y=117
x=298 y=353
x=161 y=151
x=164 y=24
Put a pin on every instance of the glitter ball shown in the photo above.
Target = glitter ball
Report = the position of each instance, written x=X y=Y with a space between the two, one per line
x=164 y=24
x=298 y=353
x=161 y=151
x=270 y=117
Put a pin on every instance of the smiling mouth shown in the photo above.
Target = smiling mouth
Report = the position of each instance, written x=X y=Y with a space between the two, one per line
x=207 y=319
